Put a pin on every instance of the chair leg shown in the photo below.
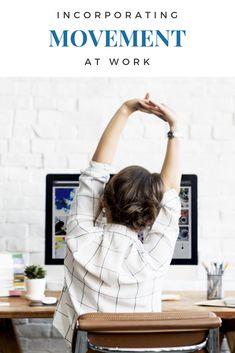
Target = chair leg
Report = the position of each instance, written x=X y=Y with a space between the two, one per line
x=81 y=342
x=213 y=341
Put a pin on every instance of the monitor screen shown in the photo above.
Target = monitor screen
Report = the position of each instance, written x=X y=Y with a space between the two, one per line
x=60 y=191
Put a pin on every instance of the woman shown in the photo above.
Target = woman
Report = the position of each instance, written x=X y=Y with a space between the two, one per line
x=107 y=267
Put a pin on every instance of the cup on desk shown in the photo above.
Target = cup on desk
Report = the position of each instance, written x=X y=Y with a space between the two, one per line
x=214 y=286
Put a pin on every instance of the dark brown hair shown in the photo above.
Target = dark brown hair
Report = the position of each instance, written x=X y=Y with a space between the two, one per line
x=133 y=197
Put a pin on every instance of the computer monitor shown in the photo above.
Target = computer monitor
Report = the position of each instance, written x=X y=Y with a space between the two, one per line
x=60 y=190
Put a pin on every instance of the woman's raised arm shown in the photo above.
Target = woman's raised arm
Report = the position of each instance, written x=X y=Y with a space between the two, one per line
x=171 y=168
x=107 y=145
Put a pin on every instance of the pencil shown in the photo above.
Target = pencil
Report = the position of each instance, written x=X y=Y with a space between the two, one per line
x=225 y=267
x=206 y=267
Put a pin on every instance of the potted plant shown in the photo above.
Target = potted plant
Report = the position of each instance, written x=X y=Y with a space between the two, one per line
x=35 y=282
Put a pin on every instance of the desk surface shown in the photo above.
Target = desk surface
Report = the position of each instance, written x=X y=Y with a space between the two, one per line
x=19 y=307
x=187 y=303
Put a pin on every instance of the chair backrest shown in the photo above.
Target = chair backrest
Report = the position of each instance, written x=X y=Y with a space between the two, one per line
x=147 y=332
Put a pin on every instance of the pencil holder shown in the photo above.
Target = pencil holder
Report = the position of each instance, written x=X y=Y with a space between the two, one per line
x=214 y=286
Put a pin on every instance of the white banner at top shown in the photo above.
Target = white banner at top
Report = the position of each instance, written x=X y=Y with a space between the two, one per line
x=167 y=38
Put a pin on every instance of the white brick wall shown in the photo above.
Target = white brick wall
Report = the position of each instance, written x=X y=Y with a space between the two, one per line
x=52 y=125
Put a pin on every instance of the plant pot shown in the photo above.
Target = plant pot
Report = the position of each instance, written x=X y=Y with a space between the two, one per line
x=35 y=288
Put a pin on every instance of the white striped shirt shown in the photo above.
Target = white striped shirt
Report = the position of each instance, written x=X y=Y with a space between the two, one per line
x=107 y=268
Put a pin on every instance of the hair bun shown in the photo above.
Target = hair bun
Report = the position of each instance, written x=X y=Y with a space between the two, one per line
x=133 y=197
x=139 y=214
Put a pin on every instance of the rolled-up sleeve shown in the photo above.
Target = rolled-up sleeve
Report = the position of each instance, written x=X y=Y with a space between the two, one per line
x=86 y=203
x=160 y=241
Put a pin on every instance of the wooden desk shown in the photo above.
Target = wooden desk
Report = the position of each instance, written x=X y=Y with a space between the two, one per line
x=187 y=303
x=19 y=308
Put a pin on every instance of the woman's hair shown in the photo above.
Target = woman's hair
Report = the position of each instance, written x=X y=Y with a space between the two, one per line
x=133 y=197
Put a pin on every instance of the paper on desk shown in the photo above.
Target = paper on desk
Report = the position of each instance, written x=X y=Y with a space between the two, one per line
x=169 y=297
x=226 y=302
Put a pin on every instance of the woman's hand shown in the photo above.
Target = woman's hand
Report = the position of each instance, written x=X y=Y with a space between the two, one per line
x=133 y=105
x=146 y=105
x=161 y=111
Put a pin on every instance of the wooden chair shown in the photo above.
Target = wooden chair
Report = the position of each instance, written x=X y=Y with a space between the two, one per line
x=147 y=333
